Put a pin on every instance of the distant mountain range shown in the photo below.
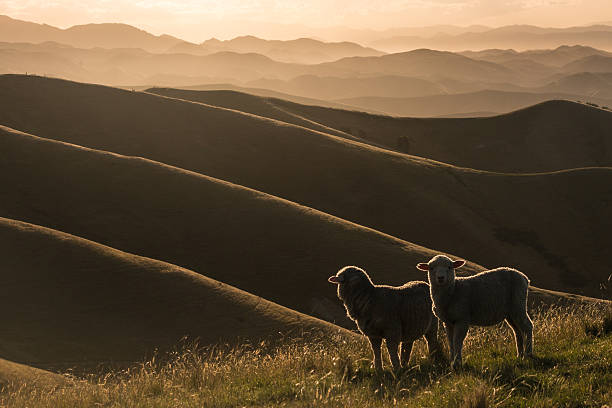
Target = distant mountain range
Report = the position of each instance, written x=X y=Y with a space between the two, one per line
x=420 y=82
x=303 y=50
x=85 y=36
x=515 y=36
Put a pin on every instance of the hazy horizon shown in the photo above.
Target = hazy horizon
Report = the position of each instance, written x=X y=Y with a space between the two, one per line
x=198 y=21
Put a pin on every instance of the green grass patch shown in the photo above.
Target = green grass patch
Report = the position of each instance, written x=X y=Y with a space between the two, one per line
x=572 y=367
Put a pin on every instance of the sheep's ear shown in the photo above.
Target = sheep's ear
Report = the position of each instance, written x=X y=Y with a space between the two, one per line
x=458 y=263
x=423 y=266
x=335 y=279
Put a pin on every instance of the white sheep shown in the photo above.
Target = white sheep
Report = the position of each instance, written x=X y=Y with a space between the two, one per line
x=484 y=299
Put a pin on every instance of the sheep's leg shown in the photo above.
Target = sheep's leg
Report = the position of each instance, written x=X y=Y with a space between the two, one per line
x=433 y=345
x=450 y=328
x=459 y=333
x=375 y=343
x=406 y=350
x=393 y=349
x=518 y=337
x=526 y=326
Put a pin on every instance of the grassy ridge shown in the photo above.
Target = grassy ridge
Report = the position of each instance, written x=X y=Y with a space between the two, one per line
x=571 y=369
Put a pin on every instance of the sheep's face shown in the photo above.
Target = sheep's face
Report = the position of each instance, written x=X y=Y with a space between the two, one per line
x=349 y=277
x=441 y=270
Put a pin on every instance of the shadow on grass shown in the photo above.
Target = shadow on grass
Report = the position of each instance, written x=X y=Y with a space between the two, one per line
x=388 y=383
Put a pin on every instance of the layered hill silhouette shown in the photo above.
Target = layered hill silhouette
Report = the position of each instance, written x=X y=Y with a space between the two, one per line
x=557 y=57
x=425 y=62
x=521 y=220
x=556 y=135
x=513 y=36
x=74 y=302
x=590 y=85
x=110 y=35
x=333 y=88
x=480 y=103
x=466 y=83
x=301 y=50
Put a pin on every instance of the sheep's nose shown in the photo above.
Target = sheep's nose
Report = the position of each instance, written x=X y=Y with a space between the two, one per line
x=440 y=279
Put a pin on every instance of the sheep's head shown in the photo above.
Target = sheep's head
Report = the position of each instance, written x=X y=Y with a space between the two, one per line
x=441 y=270
x=348 y=278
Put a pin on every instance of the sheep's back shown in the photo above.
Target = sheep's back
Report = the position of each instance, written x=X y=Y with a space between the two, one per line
x=490 y=294
x=406 y=308
x=415 y=309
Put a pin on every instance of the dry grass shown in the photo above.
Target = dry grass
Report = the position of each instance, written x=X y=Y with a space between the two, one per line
x=570 y=368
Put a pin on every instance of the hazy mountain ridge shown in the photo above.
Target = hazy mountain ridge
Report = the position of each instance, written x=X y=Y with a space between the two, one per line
x=517 y=36
x=371 y=82
x=107 y=35
x=302 y=50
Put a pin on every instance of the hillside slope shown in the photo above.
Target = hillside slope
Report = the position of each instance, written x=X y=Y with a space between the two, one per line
x=267 y=246
x=554 y=135
x=76 y=302
x=404 y=196
x=17 y=375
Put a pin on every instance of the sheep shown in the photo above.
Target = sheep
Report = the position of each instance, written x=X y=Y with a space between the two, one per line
x=484 y=299
x=400 y=315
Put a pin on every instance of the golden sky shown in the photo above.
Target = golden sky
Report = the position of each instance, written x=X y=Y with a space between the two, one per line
x=197 y=20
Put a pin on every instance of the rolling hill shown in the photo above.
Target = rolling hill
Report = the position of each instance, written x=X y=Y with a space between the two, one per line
x=556 y=57
x=560 y=134
x=588 y=84
x=490 y=101
x=404 y=196
x=425 y=63
x=225 y=231
x=331 y=88
x=76 y=303
x=593 y=63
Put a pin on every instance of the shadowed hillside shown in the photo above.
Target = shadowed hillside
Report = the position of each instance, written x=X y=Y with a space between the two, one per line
x=410 y=198
x=554 y=135
x=267 y=246
x=271 y=108
x=262 y=244
x=75 y=302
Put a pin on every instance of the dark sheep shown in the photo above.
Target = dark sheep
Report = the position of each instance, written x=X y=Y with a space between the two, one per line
x=400 y=315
